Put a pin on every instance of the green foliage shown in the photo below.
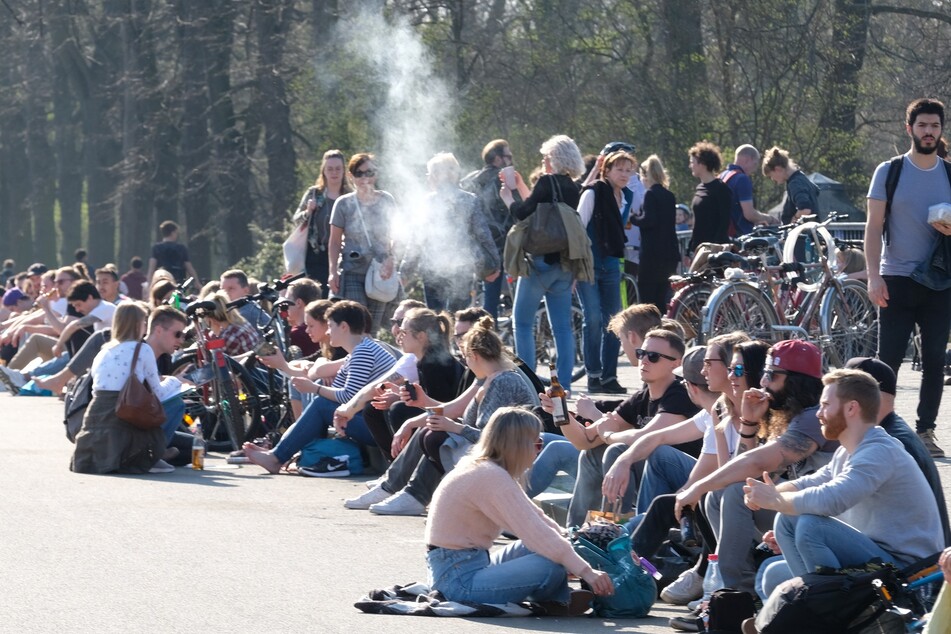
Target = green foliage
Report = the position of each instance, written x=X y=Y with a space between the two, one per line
x=267 y=263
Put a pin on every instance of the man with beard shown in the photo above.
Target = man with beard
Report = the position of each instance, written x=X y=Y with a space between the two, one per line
x=783 y=413
x=844 y=514
x=897 y=240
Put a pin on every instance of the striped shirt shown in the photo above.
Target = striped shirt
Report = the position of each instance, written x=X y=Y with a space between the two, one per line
x=368 y=361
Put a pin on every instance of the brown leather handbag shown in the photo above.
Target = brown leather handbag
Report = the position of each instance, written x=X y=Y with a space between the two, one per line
x=137 y=405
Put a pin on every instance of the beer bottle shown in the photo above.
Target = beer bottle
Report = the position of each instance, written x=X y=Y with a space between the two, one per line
x=198 y=449
x=559 y=398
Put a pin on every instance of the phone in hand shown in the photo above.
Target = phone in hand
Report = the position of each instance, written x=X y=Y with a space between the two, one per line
x=265 y=349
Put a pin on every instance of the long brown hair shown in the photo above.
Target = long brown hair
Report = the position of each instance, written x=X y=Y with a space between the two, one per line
x=321 y=182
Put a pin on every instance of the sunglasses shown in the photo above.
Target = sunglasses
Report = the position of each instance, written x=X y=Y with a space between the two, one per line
x=396 y=322
x=539 y=445
x=709 y=362
x=769 y=375
x=737 y=370
x=179 y=334
x=653 y=357
x=362 y=173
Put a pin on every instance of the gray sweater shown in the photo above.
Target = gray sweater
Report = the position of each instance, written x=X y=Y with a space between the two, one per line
x=509 y=389
x=880 y=491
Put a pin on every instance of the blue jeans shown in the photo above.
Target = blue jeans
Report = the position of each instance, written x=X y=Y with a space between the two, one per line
x=771 y=573
x=509 y=575
x=554 y=284
x=808 y=541
x=665 y=471
x=557 y=455
x=592 y=465
x=601 y=300
x=174 y=413
x=313 y=424
x=491 y=291
x=51 y=367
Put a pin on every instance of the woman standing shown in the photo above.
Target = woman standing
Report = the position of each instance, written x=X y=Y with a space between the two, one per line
x=660 y=249
x=802 y=195
x=105 y=443
x=483 y=496
x=712 y=199
x=315 y=208
x=364 y=217
x=548 y=274
x=600 y=210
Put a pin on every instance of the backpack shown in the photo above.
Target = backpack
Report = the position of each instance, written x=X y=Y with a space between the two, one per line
x=728 y=609
x=331 y=448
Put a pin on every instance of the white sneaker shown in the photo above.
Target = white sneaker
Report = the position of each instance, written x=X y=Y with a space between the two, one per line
x=686 y=588
x=12 y=379
x=375 y=483
x=400 y=504
x=161 y=467
x=374 y=496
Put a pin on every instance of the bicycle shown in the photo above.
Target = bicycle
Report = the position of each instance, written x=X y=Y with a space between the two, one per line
x=835 y=313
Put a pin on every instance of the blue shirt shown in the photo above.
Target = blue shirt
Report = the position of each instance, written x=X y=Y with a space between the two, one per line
x=742 y=187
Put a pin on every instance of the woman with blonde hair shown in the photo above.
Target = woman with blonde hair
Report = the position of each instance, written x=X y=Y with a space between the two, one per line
x=105 y=443
x=476 y=502
x=802 y=195
x=315 y=208
x=239 y=336
x=548 y=275
x=660 y=249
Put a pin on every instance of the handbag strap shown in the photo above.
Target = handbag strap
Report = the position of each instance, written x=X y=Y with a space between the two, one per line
x=555 y=189
x=363 y=223
x=135 y=357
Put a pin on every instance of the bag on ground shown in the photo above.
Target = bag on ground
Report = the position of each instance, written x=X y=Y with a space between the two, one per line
x=634 y=588
x=331 y=448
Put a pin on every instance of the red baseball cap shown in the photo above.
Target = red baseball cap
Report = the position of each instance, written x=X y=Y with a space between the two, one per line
x=794 y=355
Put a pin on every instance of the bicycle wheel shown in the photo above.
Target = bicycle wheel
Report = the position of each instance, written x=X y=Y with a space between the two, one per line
x=545 y=351
x=226 y=407
x=739 y=306
x=848 y=322
x=629 y=294
x=686 y=308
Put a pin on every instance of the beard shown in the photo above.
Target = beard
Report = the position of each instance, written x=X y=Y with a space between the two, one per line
x=924 y=149
x=833 y=425
x=777 y=400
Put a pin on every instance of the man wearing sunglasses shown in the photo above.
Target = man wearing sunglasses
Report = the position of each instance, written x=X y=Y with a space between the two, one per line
x=788 y=401
x=662 y=402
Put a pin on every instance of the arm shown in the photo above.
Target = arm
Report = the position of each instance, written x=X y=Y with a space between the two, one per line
x=586 y=206
x=661 y=421
x=542 y=193
x=651 y=212
x=333 y=256
x=192 y=273
x=754 y=216
x=874 y=227
x=766 y=495
x=153 y=264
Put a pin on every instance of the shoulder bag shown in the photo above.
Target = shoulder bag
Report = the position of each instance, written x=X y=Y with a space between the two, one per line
x=546 y=231
x=137 y=405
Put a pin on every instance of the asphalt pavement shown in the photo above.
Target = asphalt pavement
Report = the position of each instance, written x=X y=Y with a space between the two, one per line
x=228 y=549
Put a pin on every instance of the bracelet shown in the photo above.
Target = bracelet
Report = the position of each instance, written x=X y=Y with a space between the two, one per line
x=749 y=423
x=747 y=435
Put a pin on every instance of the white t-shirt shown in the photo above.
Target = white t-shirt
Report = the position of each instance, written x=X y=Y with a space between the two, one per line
x=104 y=312
x=704 y=422
x=110 y=370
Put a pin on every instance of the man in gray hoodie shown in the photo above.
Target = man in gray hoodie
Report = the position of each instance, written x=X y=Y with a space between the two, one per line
x=845 y=513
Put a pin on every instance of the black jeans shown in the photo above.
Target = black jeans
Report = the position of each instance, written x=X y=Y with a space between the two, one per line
x=910 y=303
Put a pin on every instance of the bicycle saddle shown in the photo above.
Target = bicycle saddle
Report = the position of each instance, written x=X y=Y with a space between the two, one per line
x=760 y=244
x=196 y=306
x=725 y=259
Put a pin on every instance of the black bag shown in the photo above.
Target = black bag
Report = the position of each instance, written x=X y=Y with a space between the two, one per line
x=76 y=402
x=728 y=609
x=827 y=603
x=546 y=231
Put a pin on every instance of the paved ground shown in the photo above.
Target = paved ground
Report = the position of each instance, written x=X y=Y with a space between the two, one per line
x=224 y=550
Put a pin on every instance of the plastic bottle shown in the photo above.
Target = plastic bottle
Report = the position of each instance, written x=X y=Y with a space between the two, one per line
x=712 y=581
x=198 y=449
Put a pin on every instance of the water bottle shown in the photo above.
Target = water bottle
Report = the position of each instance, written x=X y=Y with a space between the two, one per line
x=712 y=581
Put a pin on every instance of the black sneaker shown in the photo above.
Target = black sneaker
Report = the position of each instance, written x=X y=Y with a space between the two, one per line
x=594 y=385
x=686 y=624
x=611 y=386
x=337 y=467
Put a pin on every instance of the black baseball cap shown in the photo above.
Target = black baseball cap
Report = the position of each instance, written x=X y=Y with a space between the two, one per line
x=618 y=146
x=37 y=269
x=887 y=381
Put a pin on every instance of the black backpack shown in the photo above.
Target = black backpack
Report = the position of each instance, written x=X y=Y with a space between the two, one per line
x=76 y=402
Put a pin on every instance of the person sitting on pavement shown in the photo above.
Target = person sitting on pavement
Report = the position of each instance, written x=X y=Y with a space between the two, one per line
x=105 y=443
x=301 y=292
x=366 y=360
x=843 y=514
x=427 y=446
x=660 y=403
x=239 y=336
x=235 y=284
x=107 y=283
x=783 y=414
x=481 y=498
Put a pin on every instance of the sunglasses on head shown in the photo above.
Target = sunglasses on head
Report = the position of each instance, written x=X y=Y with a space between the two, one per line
x=652 y=356
x=539 y=444
x=362 y=173
x=737 y=370
x=769 y=375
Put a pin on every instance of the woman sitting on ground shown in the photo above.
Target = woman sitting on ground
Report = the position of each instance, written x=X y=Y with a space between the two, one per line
x=105 y=443
x=476 y=502
x=366 y=360
x=239 y=336
x=440 y=441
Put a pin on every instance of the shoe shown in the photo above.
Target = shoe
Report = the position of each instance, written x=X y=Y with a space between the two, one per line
x=13 y=380
x=684 y=589
x=400 y=504
x=370 y=484
x=579 y=602
x=686 y=624
x=237 y=457
x=170 y=453
x=594 y=385
x=374 y=496
x=327 y=467
x=611 y=386
x=928 y=438
x=694 y=606
x=161 y=467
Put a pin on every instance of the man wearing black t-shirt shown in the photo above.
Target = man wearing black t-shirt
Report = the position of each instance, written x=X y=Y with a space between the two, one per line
x=171 y=255
x=663 y=401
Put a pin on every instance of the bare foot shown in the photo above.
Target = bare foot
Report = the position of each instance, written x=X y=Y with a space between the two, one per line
x=54 y=382
x=250 y=447
x=264 y=459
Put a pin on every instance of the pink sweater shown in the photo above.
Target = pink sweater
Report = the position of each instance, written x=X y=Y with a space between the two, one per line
x=476 y=500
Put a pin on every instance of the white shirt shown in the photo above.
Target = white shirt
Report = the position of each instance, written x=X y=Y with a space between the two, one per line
x=104 y=312
x=110 y=370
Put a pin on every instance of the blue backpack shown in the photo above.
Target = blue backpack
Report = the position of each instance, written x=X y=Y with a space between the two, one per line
x=331 y=448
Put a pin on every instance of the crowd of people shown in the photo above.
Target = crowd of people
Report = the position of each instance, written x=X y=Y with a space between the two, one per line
x=753 y=440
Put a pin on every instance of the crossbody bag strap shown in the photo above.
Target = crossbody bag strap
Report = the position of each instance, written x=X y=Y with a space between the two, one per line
x=363 y=223
x=135 y=357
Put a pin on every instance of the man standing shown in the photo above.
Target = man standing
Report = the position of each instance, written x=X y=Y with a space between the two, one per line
x=485 y=184
x=171 y=255
x=743 y=216
x=844 y=514
x=897 y=244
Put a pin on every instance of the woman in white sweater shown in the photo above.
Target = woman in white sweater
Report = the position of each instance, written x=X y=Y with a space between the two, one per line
x=481 y=497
